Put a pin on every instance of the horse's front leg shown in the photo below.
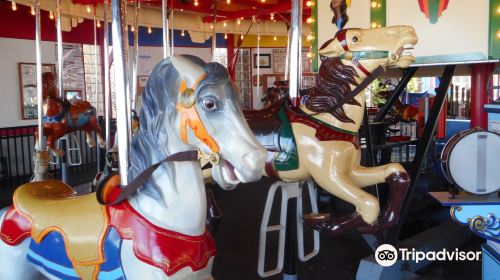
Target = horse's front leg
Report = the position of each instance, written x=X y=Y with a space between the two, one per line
x=90 y=139
x=397 y=179
x=51 y=143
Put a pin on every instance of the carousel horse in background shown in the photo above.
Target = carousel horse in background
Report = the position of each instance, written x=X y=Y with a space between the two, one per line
x=399 y=111
x=339 y=8
x=157 y=230
x=319 y=140
x=60 y=117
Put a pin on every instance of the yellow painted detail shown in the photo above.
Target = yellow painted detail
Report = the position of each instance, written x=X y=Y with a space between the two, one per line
x=53 y=206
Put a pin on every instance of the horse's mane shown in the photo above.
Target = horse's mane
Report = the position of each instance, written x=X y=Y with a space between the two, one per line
x=159 y=99
x=332 y=84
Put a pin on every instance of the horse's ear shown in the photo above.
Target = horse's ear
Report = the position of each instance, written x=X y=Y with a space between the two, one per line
x=187 y=69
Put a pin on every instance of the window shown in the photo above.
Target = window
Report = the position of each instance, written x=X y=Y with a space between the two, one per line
x=221 y=56
x=93 y=78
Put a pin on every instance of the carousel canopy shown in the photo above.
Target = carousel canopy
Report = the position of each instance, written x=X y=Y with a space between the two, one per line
x=195 y=16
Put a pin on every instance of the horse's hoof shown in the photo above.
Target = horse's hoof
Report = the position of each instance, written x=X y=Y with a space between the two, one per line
x=334 y=226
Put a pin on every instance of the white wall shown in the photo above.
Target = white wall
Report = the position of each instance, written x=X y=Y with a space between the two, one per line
x=462 y=28
x=13 y=51
x=256 y=93
x=359 y=17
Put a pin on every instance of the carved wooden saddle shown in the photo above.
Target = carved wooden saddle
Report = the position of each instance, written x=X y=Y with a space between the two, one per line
x=274 y=131
x=273 y=128
x=52 y=206
x=89 y=234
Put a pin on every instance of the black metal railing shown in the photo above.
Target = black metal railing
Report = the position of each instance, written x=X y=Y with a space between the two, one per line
x=17 y=145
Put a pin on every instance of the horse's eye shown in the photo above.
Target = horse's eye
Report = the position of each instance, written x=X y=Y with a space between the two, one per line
x=209 y=104
x=355 y=39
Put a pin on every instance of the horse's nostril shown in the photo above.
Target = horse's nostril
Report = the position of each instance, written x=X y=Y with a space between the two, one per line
x=254 y=159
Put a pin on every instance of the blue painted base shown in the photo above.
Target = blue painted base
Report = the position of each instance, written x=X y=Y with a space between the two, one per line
x=491 y=261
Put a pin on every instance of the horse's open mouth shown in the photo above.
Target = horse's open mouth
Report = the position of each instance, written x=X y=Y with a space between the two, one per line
x=231 y=174
x=405 y=50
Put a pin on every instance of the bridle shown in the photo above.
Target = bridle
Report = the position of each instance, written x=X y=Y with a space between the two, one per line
x=189 y=117
x=355 y=57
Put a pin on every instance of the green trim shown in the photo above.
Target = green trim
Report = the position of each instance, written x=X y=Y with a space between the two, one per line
x=288 y=157
x=329 y=125
x=314 y=28
x=378 y=14
x=361 y=55
x=494 y=27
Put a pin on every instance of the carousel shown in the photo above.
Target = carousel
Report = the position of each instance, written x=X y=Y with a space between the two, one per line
x=349 y=166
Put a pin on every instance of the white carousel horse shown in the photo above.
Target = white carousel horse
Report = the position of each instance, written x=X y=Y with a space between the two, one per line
x=159 y=231
x=319 y=140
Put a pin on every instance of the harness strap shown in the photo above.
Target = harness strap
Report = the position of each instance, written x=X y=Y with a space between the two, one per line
x=132 y=187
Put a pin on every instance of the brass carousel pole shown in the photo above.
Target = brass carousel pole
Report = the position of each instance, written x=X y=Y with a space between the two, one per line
x=96 y=71
x=166 y=43
x=295 y=53
x=107 y=88
x=60 y=82
x=123 y=129
x=41 y=157
x=137 y=7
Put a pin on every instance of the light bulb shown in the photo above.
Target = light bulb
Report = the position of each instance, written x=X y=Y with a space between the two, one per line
x=272 y=16
x=32 y=10
x=196 y=3
x=374 y=4
x=275 y=38
x=132 y=28
x=182 y=33
x=228 y=1
x=310 y=20
x=310 y=3
x=224 y=24
x=98 y=24
x=374 y=24
x=241 y=36
x=51 y=15
x=89 y=9
x=13 y=5
x=238 y=21
x=150 y=30
x=225 y=36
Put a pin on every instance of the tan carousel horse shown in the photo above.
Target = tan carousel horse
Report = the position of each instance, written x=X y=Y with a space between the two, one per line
x=319 y=140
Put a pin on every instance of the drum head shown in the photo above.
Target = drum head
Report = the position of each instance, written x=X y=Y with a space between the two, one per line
x=474 y=162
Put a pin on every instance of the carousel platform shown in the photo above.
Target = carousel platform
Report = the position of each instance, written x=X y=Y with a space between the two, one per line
x=237 y=244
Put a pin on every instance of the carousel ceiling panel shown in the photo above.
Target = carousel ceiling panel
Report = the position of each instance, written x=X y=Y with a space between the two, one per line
x=232 y=10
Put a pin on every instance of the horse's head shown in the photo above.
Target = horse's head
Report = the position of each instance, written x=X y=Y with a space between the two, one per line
x=366 y=49
x=49 y=87
x=202 y=111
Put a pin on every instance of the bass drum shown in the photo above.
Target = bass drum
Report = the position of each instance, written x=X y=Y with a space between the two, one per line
x=471 y=161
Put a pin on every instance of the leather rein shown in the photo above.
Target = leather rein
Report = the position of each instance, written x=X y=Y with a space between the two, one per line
x=189 y=117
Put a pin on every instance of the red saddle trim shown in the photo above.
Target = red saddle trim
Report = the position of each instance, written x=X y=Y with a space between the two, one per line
x=323 y=132
x=173 y=250
x=15 y=227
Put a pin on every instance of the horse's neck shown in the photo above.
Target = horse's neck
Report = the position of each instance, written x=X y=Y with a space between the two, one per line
x=354 y=112
x=182 y=204
x=54 y=104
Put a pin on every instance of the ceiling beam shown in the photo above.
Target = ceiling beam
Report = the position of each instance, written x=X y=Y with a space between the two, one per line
x=283 y=7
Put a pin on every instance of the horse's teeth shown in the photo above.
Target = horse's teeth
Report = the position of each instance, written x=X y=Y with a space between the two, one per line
x=408 y=46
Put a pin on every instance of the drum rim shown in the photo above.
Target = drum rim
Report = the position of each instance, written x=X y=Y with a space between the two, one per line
x=448 y=148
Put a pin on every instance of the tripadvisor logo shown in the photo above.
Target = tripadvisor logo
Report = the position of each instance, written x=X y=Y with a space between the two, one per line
x=387 y=255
